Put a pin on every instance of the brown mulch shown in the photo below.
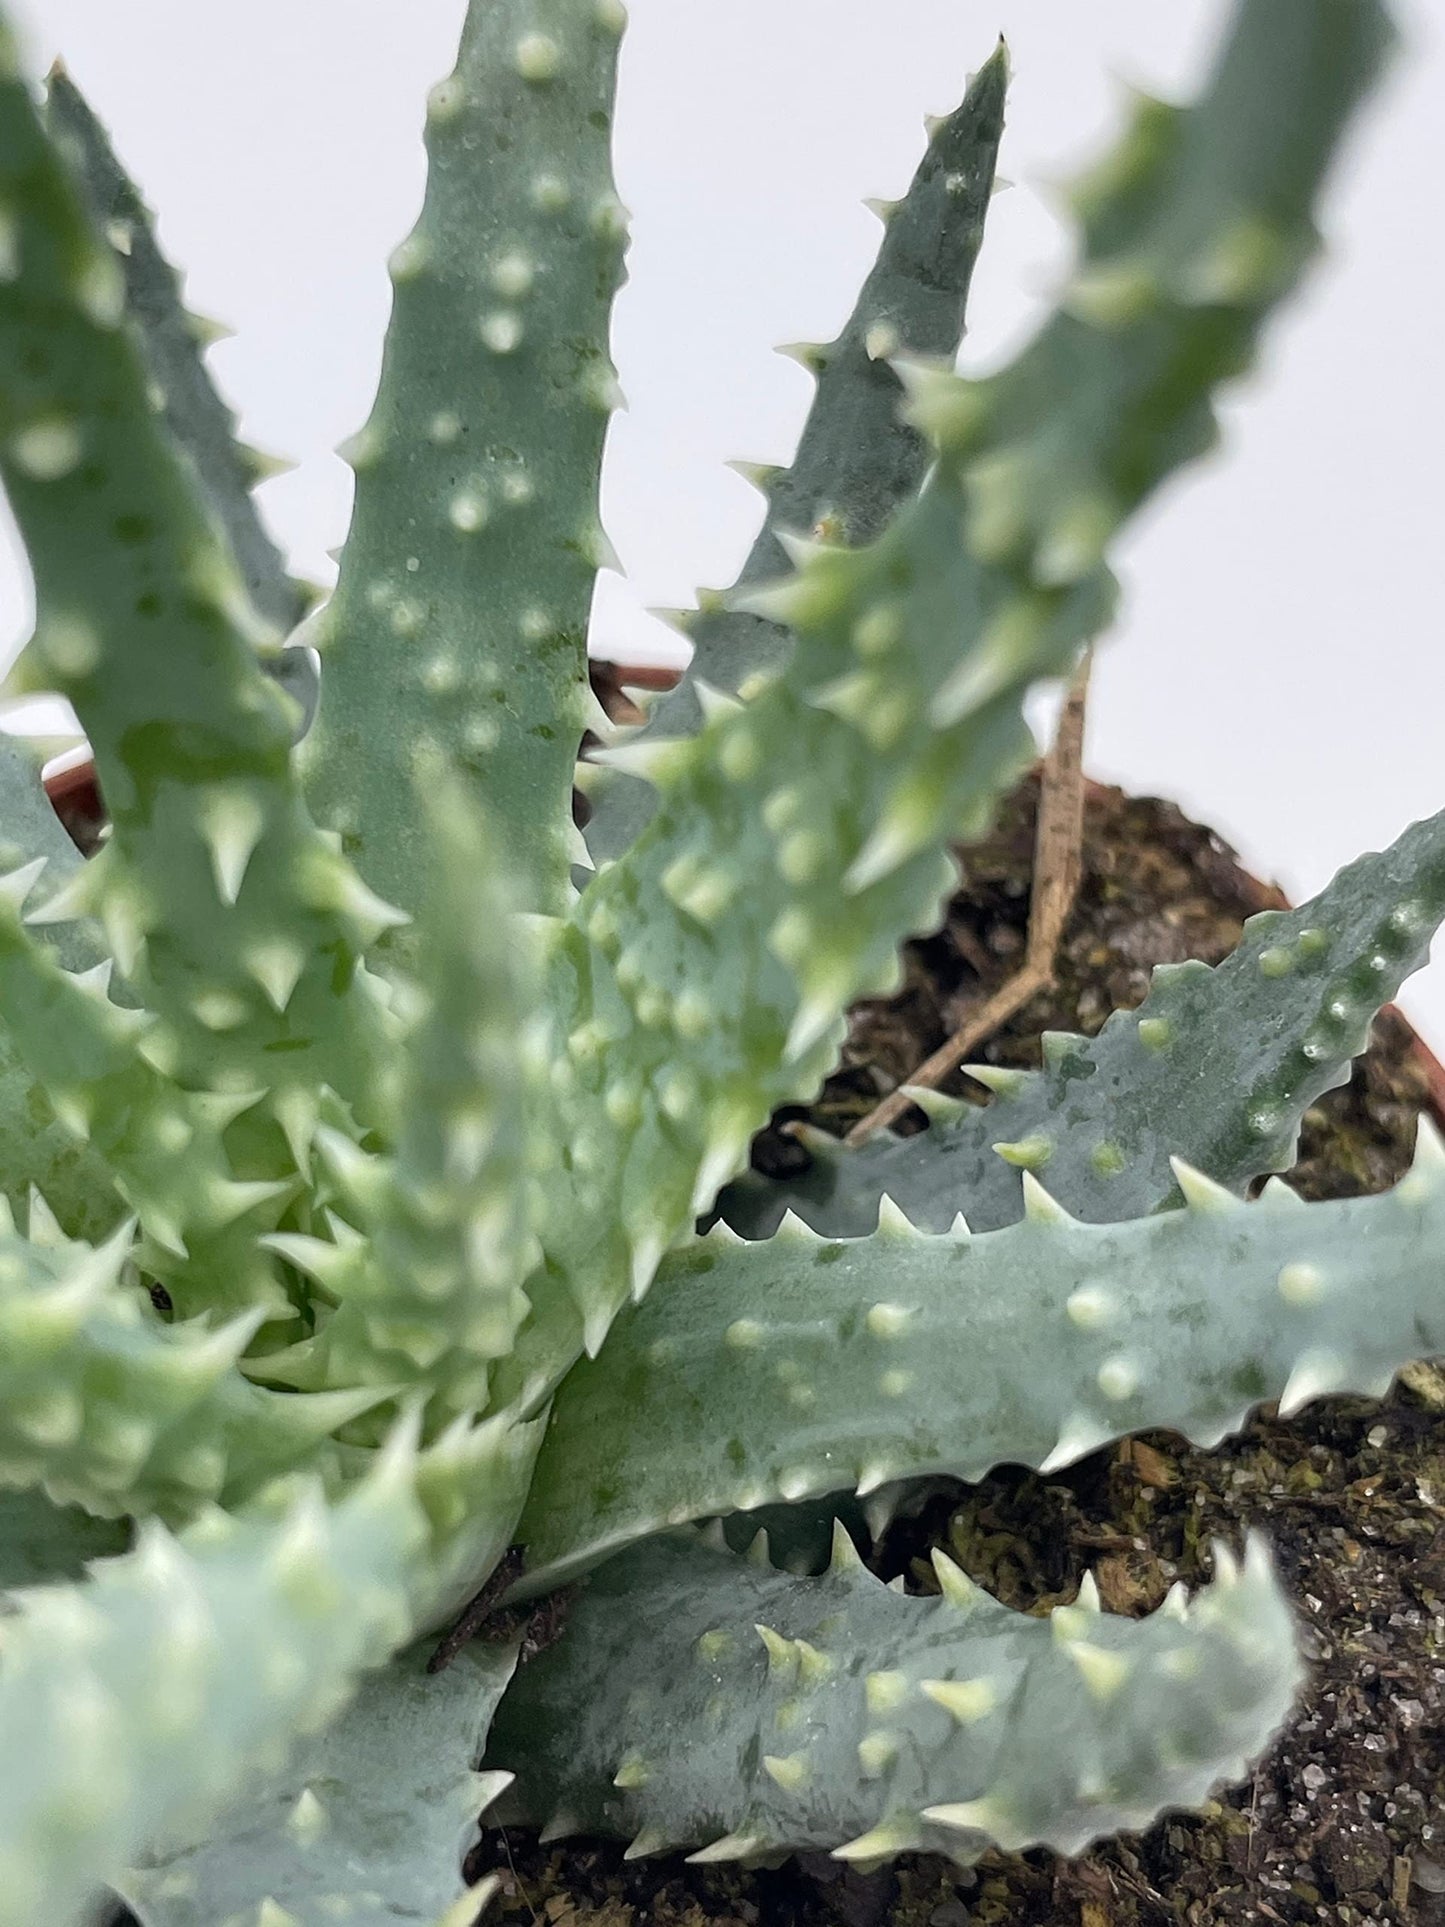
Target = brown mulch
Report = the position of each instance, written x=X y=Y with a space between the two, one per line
x=1344 y=1821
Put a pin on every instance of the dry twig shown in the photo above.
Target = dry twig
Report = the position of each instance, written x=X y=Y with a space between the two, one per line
x=1058 y=866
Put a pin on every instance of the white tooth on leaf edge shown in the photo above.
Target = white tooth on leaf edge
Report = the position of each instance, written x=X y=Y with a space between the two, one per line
x=732 y=1846
x=844 y=1556
x=1316 y=1375
x=999 y=1079
x=1202 y=1193
x=954 y=1584
x=1226 y=1566
x=716 y=704
x=801 y=550
x=16 y=887
x=1277 y=1194
x=893 y=1220
x=969 y=1816
x=935 y=1105
x=898 y=1834
x=649 y=1841
x=1040 y=1206
x=1077 y=1440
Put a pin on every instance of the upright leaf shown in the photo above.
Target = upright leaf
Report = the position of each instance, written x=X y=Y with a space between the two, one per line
x=459 y=622
x=423 y=1277
x=231 y=916
x=857 y=458
x=173 y=342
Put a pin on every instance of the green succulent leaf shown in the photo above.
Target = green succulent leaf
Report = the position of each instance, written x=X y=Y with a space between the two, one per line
x=230 y=916
x=30 y=830
x=801 y=1366
x=387 y=1189
x=163 y=1145
x=35 y=1149
x=105 y=1404
x=424 y=1278
x=368 y=1824
x=459 y=622
x=1216 y=1066
x=703 y=978
x=41 y=1542
x=134 y=1705
x=857 y=458
x=173 y=342
x=698 y=1701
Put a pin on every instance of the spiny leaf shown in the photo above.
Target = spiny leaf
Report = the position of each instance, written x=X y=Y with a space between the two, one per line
x=144 y=624
x=105 y=1405
x=874 y=1724
x=231 y=1640
x=162 y=1145
x=857 y=459
x=368 y=1821
x=781 y=1370
x=436 y=1284
x=173 y=342
x=34 y=1148
x=797 y=841
x=1216 y=1066
x=460 y=618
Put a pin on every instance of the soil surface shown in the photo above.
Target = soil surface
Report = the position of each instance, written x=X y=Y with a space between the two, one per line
x=1344 y=1821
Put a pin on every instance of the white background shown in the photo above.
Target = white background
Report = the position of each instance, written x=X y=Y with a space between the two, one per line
x=1279 y=666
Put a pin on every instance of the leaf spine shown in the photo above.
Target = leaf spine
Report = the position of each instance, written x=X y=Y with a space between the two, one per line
x=844 y=1557
x=965 y=1700
x=984 y=1816
x=899 y=1833
x=1103 y=1672
x=16 y=887
x=1026 y=1154
x=633 y=1772
x=936 y=1107
x=782 y=1653
x=885 y=1692
x=1202 y=1193
x=1079 y=1437
x=732 y=1846
x=1040 y=1206
x=1316 y=1375
x=790 y=1771
x=954 y=1584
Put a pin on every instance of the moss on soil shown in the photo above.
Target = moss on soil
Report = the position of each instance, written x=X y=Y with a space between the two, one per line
x=1344 y=1821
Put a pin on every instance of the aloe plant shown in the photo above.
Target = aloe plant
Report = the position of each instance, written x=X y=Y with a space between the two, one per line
x=354 y=1130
